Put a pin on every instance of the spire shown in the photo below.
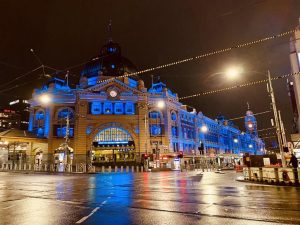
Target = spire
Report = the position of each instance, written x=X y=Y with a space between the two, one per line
x=248 y=105
x=109 y=31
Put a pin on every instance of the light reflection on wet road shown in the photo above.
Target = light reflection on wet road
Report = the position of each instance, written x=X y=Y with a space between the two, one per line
x=143 y=198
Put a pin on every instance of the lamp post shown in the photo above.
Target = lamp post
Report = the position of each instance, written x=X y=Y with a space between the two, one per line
x=277 y=121
x=233 y=73
x=159 y=104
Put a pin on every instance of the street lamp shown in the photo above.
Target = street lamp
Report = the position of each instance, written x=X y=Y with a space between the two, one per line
x=45 y=98
x=204 y=129
x=233 y=72
x=159 y=104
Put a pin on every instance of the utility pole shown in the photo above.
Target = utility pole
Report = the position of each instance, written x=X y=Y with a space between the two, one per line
x=277 y=121
x=284 y=142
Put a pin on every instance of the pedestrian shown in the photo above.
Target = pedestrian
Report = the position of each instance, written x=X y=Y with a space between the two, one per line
x=294 y=162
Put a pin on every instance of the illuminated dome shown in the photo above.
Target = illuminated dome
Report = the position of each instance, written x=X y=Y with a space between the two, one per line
x=109 y=62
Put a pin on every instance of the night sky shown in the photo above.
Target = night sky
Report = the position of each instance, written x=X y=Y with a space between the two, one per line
x=66 y=33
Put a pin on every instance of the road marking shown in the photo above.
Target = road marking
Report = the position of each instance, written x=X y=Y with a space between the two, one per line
x=86 y=217
x=104 y=202
x=8 y=207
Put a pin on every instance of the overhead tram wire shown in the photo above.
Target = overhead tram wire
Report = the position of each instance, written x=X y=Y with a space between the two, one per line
x=20 y=76
x=16 y=86
x=216 y=52
x=246 y=44
x=42 y=66
x=242 y=117
x=269 y=128
x=239 y=86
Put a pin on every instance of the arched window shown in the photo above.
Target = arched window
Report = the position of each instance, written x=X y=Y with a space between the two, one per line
x=40 y=115
x=60 y=129
x=155 y=130
x=113 y=135
x=154 y=115
x=173 y=116
x=39 y=121
x=64 y=113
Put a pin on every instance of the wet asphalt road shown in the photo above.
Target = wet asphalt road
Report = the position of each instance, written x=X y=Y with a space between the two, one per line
x=144 y=198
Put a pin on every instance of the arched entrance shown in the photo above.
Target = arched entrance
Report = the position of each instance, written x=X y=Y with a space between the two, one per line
x=113 y=144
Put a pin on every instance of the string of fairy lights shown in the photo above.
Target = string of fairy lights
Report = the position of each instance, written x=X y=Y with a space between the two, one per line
x=220 y=51
x=242 y=45
x=239 y=86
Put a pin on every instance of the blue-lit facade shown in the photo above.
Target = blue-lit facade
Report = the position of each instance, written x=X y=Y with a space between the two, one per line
x=120 y=120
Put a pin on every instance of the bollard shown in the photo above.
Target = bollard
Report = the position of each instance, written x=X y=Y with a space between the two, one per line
x=142 y=169
x=132 y=169
x=121 y=169
x=109 y=169
x=116 y=169
x=137 y=169
x=103 y=169
x=127 y=169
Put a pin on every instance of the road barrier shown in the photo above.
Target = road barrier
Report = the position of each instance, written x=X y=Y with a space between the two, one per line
x=247 y=173
x=270 y=175
x=256 y=173
x=283 y=175
x=287 y=175
x=69 y=168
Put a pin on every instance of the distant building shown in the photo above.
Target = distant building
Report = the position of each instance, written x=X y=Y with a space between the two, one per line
x=9 y=119
x=120 y=120
x=21 y=106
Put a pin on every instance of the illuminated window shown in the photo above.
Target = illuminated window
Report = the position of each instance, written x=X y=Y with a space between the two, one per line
x=63 y=114
x=132 y=83
x=129 y=108
x=40 y=132
x=92 y=81
x=173 y=116
x=95 y=108
x=113 y=135
x=39 y=115
x=119 y=108
x=107 y=108
x=62 y=131
x=155 y=129
x=154 y=115
x=174 y=131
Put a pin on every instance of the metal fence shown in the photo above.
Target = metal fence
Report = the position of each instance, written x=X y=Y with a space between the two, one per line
x=69 y=168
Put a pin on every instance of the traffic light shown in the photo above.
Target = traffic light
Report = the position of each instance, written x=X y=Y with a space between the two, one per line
x=201 y=149
x=180 y=155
